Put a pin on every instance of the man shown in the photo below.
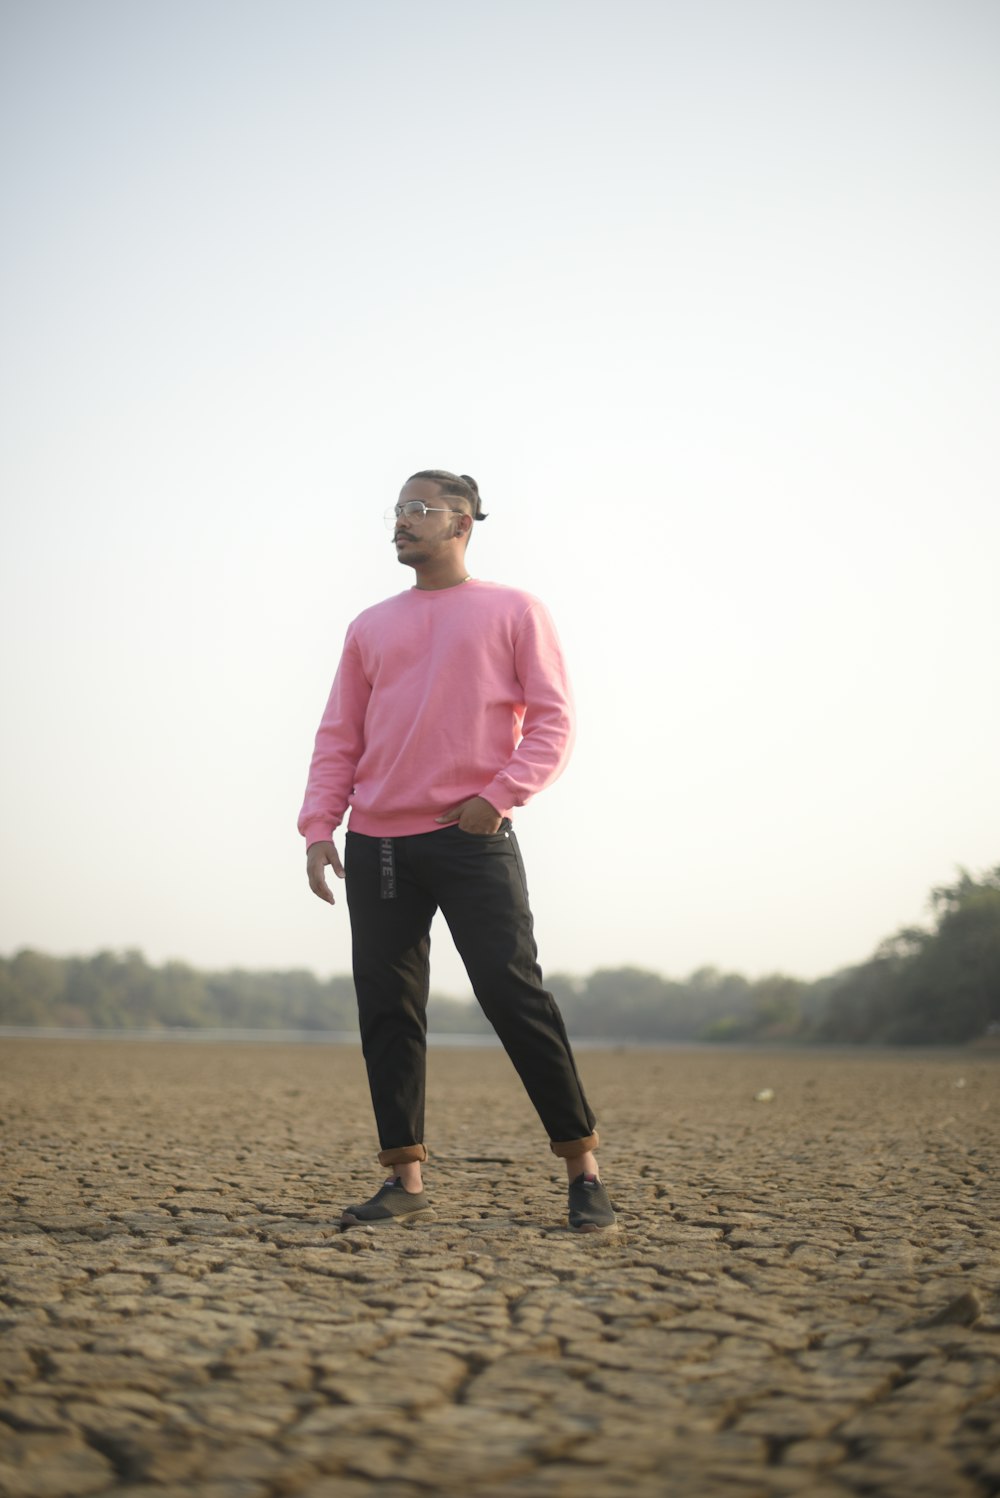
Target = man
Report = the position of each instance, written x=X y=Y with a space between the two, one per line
x=450 y=707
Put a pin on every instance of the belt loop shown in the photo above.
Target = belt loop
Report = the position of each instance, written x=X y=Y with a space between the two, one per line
x=387 y=868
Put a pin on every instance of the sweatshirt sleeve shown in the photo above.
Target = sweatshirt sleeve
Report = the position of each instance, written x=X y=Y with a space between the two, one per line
x=547 y=730
x=339 y=742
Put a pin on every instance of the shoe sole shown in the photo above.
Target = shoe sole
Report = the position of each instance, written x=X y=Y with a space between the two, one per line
x=402 y=1219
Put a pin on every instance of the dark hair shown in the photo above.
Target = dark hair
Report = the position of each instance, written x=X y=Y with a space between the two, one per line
x=461 y=485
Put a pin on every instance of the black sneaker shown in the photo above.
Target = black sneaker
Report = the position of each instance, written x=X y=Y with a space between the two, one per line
x=391 y=1203
x=590 y=1211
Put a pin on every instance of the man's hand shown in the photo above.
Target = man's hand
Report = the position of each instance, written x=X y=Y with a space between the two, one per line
x=318 y=855
x=476 y=816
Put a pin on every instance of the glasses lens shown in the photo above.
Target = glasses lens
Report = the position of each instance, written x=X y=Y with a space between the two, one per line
x=413 y=507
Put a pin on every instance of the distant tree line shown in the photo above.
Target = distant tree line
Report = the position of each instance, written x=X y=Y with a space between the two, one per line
x=122 y=991
x=935 y=986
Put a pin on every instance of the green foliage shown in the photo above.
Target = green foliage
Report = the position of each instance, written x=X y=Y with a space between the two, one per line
x=632 y=1004
x=938 y=987
x=121 y=991
x=31 y=989
x=930 y=987
x=772 y=1010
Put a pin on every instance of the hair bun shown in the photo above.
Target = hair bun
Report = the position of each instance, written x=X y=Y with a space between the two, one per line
x=468 y=479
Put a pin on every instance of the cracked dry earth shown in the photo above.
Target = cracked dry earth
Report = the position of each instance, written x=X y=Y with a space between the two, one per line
x=802 y=1297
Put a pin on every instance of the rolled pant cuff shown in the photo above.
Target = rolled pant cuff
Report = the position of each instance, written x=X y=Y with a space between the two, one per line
x=568 y=1149
x=404 y=1154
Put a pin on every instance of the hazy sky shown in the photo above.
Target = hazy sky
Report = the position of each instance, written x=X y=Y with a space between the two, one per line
x=705 y=296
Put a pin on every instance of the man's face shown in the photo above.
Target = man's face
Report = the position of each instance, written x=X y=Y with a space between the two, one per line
x=420 y=538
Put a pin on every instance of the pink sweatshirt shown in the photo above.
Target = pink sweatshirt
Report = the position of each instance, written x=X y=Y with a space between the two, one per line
x=440 y=695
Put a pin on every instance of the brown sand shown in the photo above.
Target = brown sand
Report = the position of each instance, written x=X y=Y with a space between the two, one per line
x=802 y=1298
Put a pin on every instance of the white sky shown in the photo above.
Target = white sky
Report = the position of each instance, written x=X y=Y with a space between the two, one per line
x=706 y=298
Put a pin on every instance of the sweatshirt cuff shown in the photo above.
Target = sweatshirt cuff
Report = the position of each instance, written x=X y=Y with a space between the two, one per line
x=500 y=795
x=317 y=832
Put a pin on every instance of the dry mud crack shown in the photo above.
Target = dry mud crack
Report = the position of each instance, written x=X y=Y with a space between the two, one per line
x=803 y=1297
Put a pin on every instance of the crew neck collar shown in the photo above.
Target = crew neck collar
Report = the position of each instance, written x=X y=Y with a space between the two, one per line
x=451 y=588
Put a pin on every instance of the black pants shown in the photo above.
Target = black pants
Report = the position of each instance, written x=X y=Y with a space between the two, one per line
x=478 y=883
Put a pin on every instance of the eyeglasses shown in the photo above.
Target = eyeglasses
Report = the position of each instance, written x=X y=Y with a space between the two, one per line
x=414 y=509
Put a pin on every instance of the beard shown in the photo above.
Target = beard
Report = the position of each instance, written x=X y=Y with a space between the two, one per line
x=412 y=557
